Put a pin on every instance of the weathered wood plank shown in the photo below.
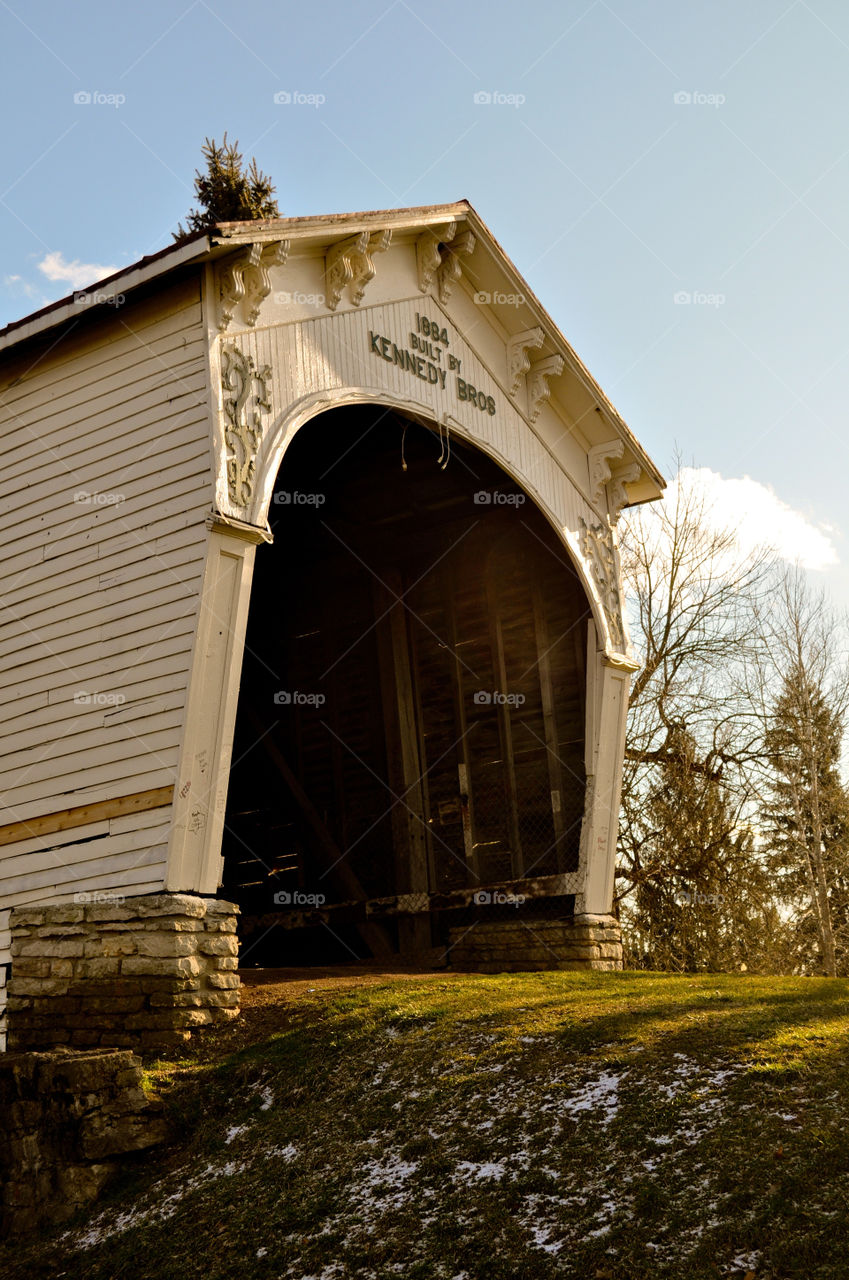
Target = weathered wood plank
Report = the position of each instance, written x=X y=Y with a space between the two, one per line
x=83 y=815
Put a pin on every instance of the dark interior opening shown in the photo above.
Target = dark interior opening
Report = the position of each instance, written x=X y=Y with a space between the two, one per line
x=412 y=702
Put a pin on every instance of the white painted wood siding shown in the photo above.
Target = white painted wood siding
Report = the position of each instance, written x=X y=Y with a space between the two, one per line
x=99 y=598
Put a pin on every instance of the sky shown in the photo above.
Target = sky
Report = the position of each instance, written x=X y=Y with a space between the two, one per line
x=671 y=179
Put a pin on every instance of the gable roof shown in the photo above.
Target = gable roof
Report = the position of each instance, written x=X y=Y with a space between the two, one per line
x=316 y=230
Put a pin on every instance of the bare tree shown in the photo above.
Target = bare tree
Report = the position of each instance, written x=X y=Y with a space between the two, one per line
x=693 y=594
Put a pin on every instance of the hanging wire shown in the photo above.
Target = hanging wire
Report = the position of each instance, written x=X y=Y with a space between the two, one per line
x=441 y=445
x=447 y=449
x=403 y=442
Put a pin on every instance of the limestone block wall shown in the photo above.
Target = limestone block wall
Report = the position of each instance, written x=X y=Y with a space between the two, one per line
x=65 y=1118
x=137 y=972
x=585 y=942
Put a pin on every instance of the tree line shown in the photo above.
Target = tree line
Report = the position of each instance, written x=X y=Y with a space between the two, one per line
x=734 y=829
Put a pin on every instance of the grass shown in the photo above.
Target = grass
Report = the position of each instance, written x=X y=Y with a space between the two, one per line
x=618 y=1126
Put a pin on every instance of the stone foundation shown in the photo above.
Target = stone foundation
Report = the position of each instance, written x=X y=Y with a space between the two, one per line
x=65 y=1118
x=136 y=972
x=585 y=942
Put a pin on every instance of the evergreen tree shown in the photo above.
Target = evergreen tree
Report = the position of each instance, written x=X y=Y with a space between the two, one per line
x=702 y=899
x=227 y=192
x=807 y=817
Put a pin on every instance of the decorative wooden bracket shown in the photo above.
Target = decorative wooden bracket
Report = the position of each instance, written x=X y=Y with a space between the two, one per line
x=350 y=262
x=599 y=459
x=246 y=399
x=599 y=550
x=438 y=252
x=518 y=360
x=602 y=475
x=538 y=388
x=622 y=476
x=244 y=282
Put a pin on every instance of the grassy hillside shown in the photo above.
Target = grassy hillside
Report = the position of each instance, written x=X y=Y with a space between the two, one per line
x=615 y=1126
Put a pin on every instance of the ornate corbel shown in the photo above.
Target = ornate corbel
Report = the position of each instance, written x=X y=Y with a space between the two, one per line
x=538 y=388
x=246 y=399
x=258 y=281
x=364 y=267
x=349 y=262
x=518 y=360
x=231 y=282
x=438 y=252
x=599 y=550
x=618 y=493
x=429 y=254
x=244 y=282
x=339 y=266
x=614 y=479
x=599 y=459
x=451 y=271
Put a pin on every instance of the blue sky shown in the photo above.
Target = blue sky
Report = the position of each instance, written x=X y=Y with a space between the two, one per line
x=634 y=153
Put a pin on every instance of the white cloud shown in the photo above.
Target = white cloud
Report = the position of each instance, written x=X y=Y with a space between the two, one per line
x=76 y=274
x=17 y=284
x=759 y=517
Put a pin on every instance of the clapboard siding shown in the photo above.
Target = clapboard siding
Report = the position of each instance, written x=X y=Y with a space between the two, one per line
x=108 y=667
x=83 y=614
x=143 y=719
x=98 y=561
x=133 y=457
x=128 y=852
x=161 y=683
x=151 y=487
x=99 y=599
x=127 y=572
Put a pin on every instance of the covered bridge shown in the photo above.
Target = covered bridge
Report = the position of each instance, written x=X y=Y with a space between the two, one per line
x=311 y=605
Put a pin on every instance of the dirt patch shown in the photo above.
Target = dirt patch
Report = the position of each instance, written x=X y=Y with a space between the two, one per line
x=273 y=1000
x=270 y=986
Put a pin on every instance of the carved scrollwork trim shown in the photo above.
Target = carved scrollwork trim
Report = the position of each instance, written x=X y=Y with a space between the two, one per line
x=603 y=475
x=246 y=400
x=621 y=477
x=451 y=271
x=429 y=255
x=538 y=388
x=599 y=550
x=350 y=262
x=518 y=360
x=244 y=282
x=438 y=253
x=599 y=459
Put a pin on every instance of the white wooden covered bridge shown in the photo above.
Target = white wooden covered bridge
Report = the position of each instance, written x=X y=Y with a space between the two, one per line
x=311 y=603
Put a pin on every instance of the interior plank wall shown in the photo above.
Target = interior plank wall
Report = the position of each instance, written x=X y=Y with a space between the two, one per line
x=411 y=715
x=99 y=596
